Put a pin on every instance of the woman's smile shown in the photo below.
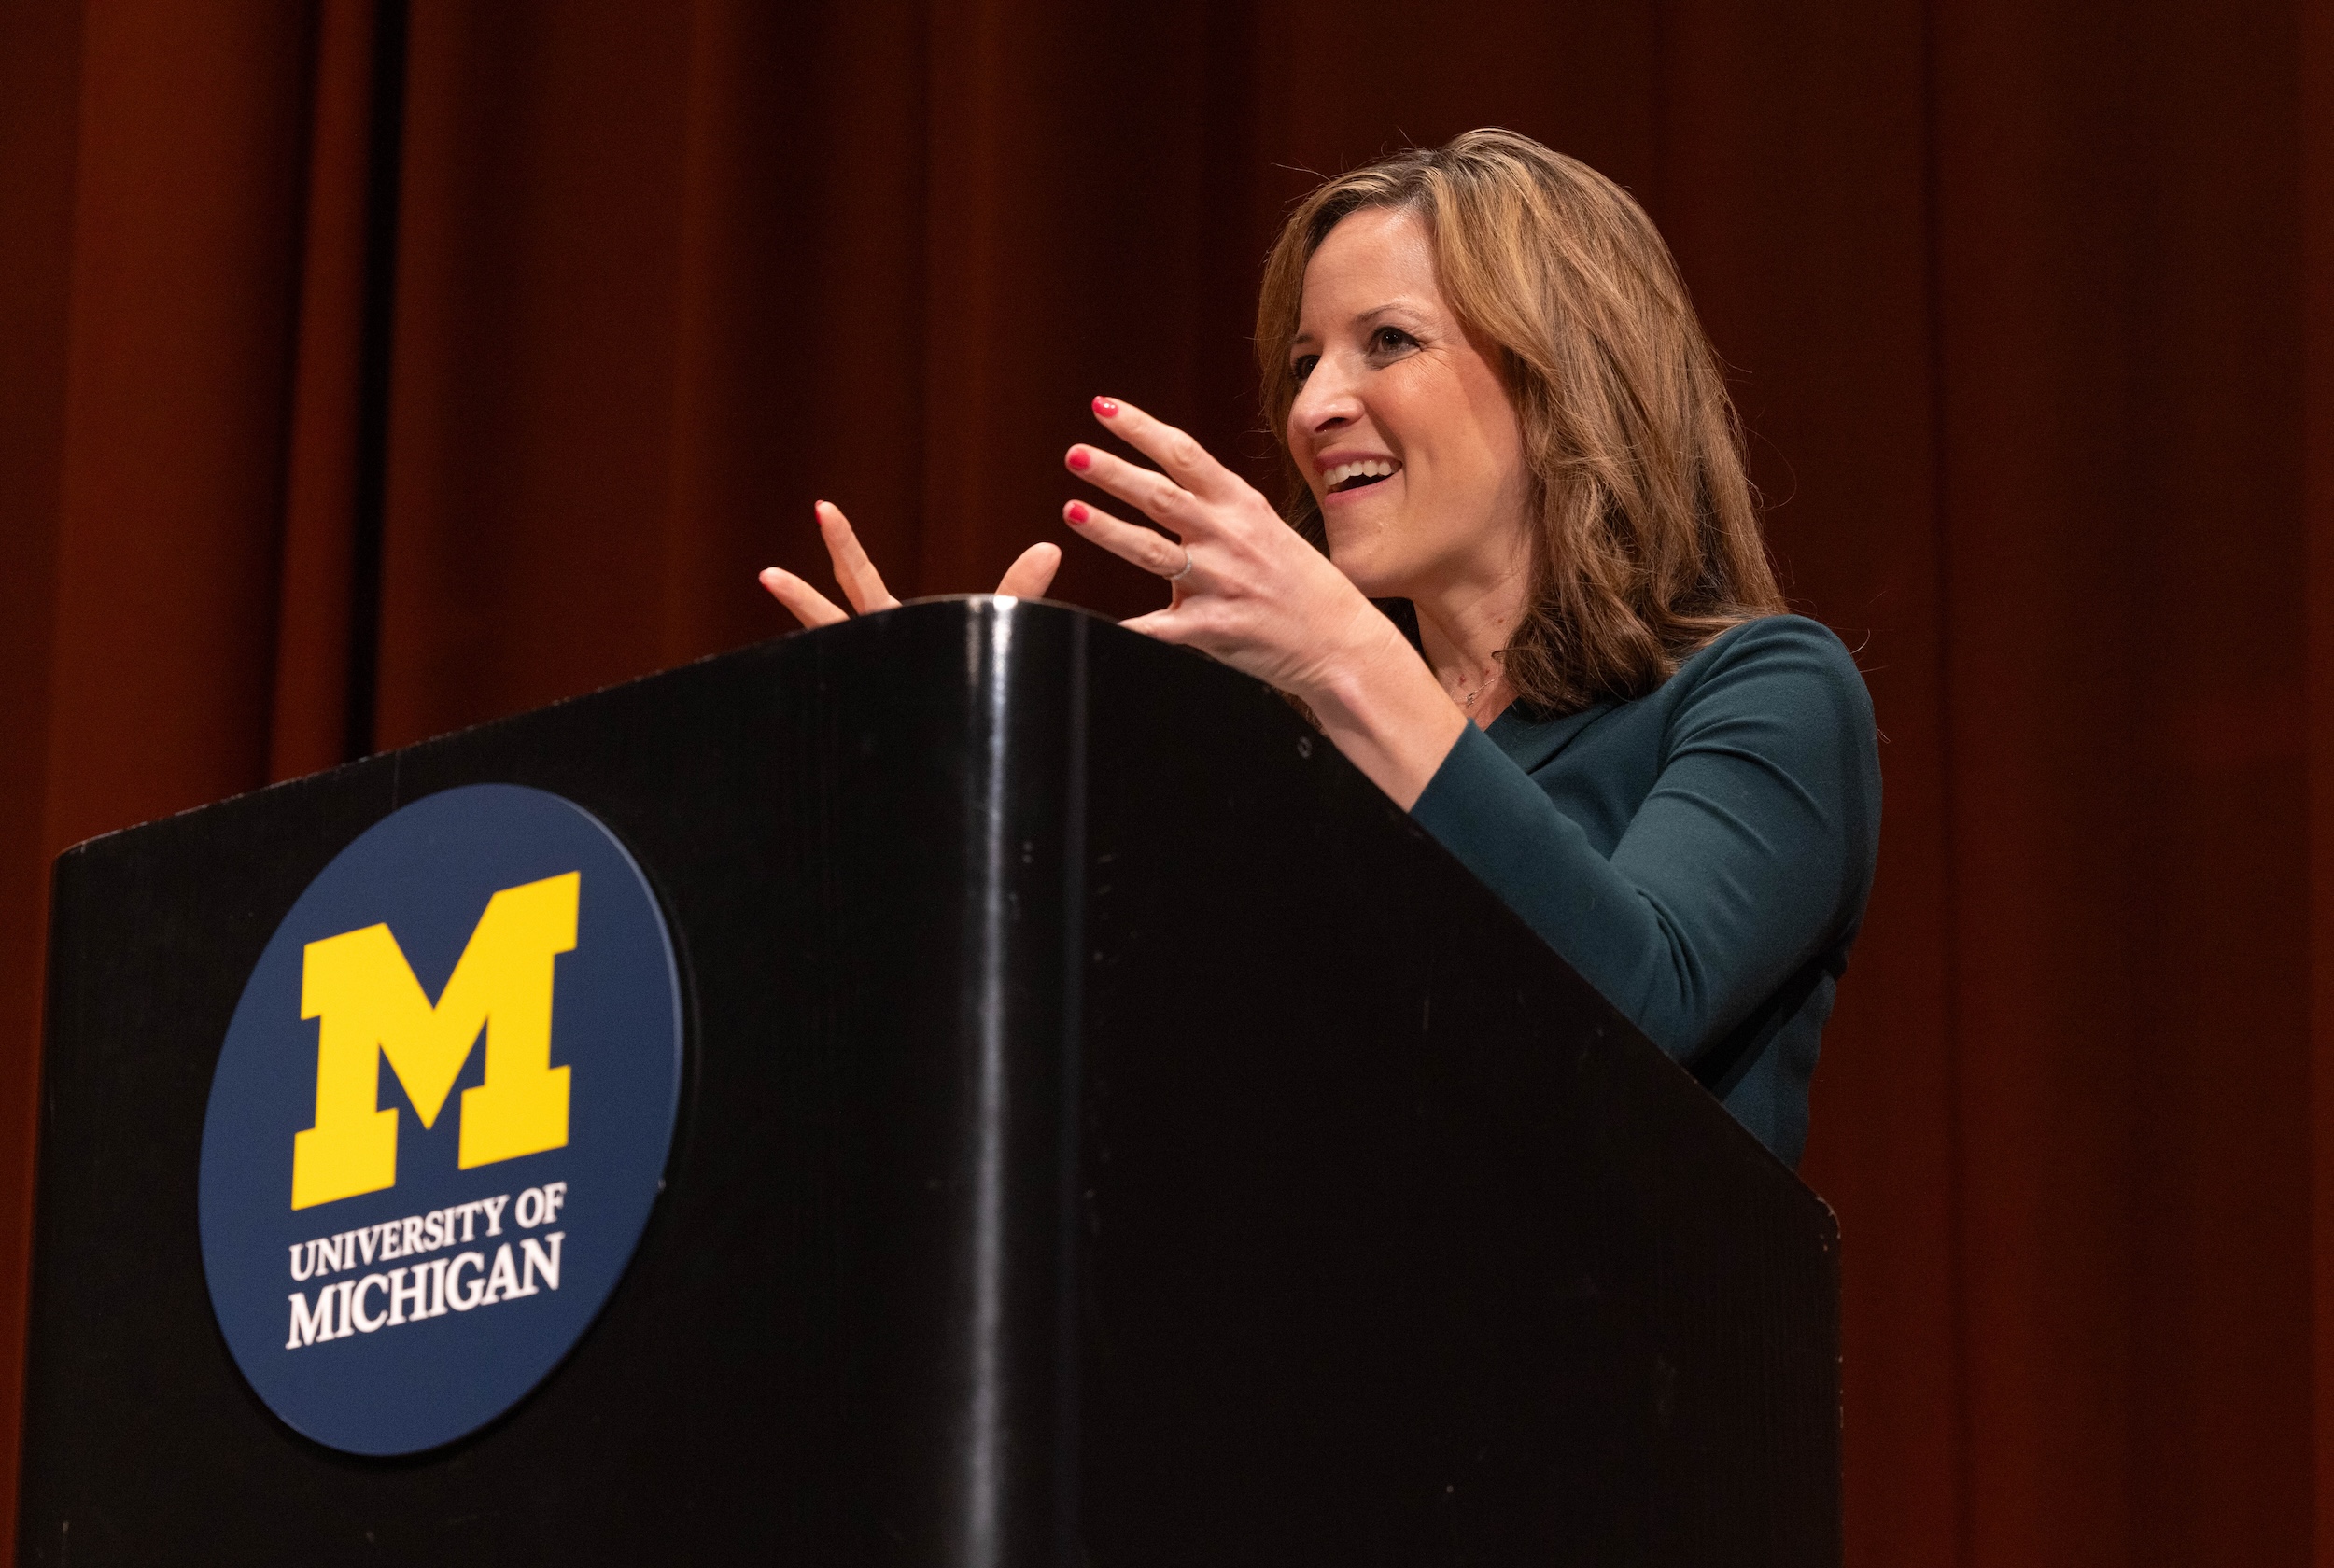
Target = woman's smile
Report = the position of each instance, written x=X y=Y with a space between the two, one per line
x=1345 y=475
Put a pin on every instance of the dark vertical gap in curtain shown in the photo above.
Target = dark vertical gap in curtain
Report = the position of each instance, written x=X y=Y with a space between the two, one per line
x=921 y=310
x=384 y=159
x=1941 y=523
x=1654 y=197
x=298 y=303
x=2316 y=194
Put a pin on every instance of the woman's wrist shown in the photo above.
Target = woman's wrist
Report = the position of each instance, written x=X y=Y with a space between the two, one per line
x=1382 y=706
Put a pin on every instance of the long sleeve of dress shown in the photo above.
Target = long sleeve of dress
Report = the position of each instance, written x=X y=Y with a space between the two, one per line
x=1691 y=852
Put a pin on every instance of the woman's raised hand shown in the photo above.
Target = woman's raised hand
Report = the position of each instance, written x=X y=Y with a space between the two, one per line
x=1027 y=578
x=1246 y=587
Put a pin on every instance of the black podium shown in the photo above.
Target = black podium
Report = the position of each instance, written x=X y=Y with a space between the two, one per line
x=1110 y=1133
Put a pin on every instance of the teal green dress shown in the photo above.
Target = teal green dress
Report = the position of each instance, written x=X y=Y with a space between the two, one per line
x=1701 y=855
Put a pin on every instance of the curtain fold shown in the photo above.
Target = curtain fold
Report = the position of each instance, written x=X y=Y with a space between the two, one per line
x=320 y=582
x=329 y=418
x=40 y=97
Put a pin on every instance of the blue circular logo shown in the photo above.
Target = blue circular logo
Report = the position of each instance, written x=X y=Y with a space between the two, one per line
x=440 y=1118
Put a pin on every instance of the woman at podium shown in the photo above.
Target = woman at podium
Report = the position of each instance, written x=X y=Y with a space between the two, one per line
x=1502 y=422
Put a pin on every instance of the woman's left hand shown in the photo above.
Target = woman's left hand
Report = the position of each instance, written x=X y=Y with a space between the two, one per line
x=1246 y=587
x=1249 y=590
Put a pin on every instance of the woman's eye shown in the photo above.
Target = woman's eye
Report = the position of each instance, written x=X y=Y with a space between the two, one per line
x=1303 y=367
x=1391 y=340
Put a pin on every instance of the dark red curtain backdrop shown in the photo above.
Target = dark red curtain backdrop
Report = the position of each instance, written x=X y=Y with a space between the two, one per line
x=364 y=373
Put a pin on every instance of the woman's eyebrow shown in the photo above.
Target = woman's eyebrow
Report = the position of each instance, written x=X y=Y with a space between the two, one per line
x=1405 y=307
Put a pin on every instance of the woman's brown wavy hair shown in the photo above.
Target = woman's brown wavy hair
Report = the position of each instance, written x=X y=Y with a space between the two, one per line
x=1648 y=540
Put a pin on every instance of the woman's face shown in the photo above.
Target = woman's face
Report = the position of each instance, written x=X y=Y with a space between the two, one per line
x=1403 y=427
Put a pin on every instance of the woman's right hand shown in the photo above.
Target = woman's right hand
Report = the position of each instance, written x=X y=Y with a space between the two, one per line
x=1027 y=578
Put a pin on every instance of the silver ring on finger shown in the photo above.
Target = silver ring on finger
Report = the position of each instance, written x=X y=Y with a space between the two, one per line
x=1183 y=571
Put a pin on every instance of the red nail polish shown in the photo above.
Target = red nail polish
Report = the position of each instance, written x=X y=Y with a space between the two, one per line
x=1081 y=459
x=1077 y=512
x=1107 y=407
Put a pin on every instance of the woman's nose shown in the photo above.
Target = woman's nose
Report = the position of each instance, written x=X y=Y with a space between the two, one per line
x=1326 y=400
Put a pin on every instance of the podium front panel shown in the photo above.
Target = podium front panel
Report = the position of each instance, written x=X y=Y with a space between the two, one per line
x=1109 y=1132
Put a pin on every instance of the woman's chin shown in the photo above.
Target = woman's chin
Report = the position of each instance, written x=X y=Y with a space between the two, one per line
x=1373 y=578
x=1363 y=555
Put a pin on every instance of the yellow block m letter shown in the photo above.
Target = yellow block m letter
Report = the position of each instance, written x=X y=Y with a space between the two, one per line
x=363 y=991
